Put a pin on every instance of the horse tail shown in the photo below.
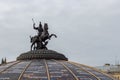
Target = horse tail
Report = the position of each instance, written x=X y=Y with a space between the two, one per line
x=52 y=35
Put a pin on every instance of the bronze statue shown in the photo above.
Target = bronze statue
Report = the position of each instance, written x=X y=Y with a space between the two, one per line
x=40 y=40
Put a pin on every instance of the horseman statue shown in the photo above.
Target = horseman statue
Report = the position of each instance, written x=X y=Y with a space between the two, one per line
x=40 y=40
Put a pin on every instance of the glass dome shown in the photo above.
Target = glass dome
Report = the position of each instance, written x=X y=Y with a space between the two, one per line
x=42 y=69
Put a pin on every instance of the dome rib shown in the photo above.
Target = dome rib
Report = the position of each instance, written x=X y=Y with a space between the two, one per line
x=81 y=74
x=20 y=77
x=46 y=66
x=86 y=71
x=9 y=66
x=94 y=71
x=105 y=75
x=76 y=78
x=58 y=71
x=99 y=71
x=35 y=66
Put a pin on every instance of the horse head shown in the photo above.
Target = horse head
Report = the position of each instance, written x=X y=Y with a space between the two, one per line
x=45 y=26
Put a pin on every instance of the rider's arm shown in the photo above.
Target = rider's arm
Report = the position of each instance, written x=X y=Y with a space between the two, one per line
x=34 y=26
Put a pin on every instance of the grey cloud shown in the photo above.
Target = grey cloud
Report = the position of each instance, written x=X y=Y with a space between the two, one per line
x=88 y=30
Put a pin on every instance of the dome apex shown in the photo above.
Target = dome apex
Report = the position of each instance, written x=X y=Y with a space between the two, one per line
x=41 y=54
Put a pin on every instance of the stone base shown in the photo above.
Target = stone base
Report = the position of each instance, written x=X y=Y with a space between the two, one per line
x=42 y=54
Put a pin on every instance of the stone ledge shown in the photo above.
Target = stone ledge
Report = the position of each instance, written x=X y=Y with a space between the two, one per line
x=42 y=54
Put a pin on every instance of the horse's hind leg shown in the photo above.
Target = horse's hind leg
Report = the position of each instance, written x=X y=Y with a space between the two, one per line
x=31 y=48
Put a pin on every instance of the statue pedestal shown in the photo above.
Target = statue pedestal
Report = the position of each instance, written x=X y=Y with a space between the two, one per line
x=42 y=54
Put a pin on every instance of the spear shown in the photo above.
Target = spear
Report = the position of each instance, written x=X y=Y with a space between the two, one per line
x=33 y=23
x=33 y=20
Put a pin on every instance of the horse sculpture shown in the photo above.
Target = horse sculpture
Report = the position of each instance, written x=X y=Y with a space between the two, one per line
x=45 y=35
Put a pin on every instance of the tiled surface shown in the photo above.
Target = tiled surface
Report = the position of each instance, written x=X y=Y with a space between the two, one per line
x=57 y=70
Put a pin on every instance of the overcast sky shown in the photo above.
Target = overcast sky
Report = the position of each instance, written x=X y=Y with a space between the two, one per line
x=88 y=30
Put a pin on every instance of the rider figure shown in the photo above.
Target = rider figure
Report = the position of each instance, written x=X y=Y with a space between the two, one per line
x=39 y=29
